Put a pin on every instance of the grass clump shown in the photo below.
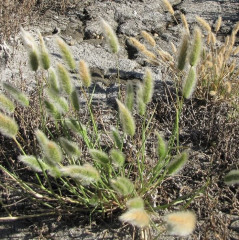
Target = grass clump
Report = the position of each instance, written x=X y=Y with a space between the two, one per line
x=116 y=175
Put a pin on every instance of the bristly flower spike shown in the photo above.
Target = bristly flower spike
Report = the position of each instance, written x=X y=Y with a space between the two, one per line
x=64 y=78
x=122 y=186
x=168 y=6
x=232 y=177
x=85 y=75
x=8 y=126
x=180 y=223
x=44 y=55
x=177 y=163
x=196 y=47
x=129 y=100
x=110 y=37
x=118 y=158
x=204 y=24
x=66 y=53
x=16 y=94
x=190 y=83
x=126 y=119
x=35 y=164
x=6 y=104
x=148 y=86
x=183 y=52
x=148 y=38
x=137 y=217
x=31 y=46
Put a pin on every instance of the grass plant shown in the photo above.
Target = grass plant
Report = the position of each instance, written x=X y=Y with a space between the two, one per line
x=105 y=178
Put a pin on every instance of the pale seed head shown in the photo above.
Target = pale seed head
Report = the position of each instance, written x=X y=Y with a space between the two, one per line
x=180 y=223
x=110 y=37
x=85 y=75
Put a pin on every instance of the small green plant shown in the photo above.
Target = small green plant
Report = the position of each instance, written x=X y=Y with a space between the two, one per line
x=103 y=178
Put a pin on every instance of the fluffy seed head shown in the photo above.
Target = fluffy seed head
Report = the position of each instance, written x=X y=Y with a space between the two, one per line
x=162 y=147
x=118 y=158
x=168 y=6
x=126 y=119
x=180 y=223
x=44 y=55
x=52 y=152
x=185 y=23
x=137 y=44
x=232 y=177
x=148 y=86
x=64 y=78
x=110 y=36
x=141 y=106
x=148 y=38
x=33 y=59
x=177 y=163
x=196 y=47
x=8 y=126
x=35 y=164
x=53 y=81
x=16 y=94
x=190 y=83
x=99 y=156
x=129 y=100
x=218 y=24
x=117 y=138
x=70 y=147
x=6 y=104
x=137 y=217
x=75 y=100
x=183 y=52
x=235 y=29
x=85 y=75
x=203 y=23
x=122 y=186
x=86 y=173
x=137 y=202
x=51 y=109
x=66 y=53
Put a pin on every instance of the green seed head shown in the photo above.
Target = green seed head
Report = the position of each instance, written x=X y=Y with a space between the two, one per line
x=70 y=147
x=141 y=106
x=33 y=59
x=183 y=52
x=52 y=111
x=162 y=147
x=118 y=158
x=35 y=164
x=53 y=81
x=177 y=163
x=196 y=47
x=110 y=37
x=16 y=94
x=232 y=177
x=190 y=83
x=126 y=118
x=75 y=100
x=117 y=138
x=65 y=80
x=129 y=101
x=122 y=186
x=44 y=55
x=148 y=86
x=52 y=152
x=86 y=173
x=6 y=104
x=99 y=156
x=137 y=202
x=8 y=126
x=66 y=53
